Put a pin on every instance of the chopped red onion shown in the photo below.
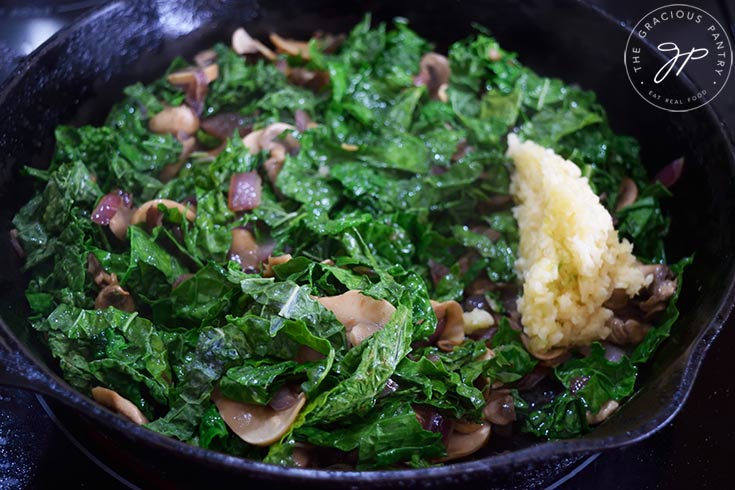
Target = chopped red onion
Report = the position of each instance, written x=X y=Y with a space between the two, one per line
x=390 y=387
x=671 y=173
x=302 y=120
x=223 y=125
x=15 y=242
x=108 y=206
x=438 y=271
x=245 y=188
x=180 y=279
x=284 y=398
x=197 y=91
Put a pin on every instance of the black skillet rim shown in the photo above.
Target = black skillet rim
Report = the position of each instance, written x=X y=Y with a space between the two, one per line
x=464 y=470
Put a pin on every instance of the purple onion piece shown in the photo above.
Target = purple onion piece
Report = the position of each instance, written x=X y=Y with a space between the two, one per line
x=15 y=242
x=671 y=173
x=284 y=398
x=222 y=125
x=245 y=190
x=613 y=353
x=108 y=206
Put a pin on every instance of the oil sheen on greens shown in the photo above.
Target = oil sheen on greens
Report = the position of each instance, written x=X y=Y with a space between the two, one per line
x=392 y=208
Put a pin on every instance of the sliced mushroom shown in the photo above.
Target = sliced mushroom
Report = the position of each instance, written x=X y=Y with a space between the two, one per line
x=243 y=43
x=500 y=408
x=607 y=409
x=460 y=445
x=115 y=211
x=303 y=120
x=464 y=427
x=171 y=120
x=291 y=46
x=662 y=287
x=100 y=276
x=120 y=222
x=314 y=80
x=188 y=76
x=114 y=295
x=112 y=400
x=627 y=194
x=434 y=73
x=626 y=332
x=204 y=58
x=257 y=424
x=618 y=300
x=274 y=261
x=111 y=293
x=244 y=249
x=360 y=314
x=263 y=140
x=140 y=214
x=452 y=315
x=170 y=171
x=301 y=455
x=550 y=357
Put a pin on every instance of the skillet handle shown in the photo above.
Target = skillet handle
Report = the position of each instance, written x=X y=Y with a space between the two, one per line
x=18 y=370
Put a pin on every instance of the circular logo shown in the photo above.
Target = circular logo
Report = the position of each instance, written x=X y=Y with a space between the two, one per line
x=685 y=40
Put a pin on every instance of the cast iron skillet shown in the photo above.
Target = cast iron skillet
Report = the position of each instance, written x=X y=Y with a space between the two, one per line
x=77 y=75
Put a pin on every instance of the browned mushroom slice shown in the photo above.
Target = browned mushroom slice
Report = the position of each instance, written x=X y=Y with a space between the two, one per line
x=301 y=454
x=140 y=214
x=204 y=58
x=434 y=72
x=662 y=288
x=274 y=261
x=244 y=249
x=112 y=400
x=172 y=120
x=360 y=314
x=188 y=76
x=550 y=357
x=626 y=332
x=500 y=408
x=243 y=43
x=114 y=295
x=607 y=409
x=258 y=425
x=452 y=315
x=618 y=300
x=120 y=222
x=100 y=276
x=461 y=444
x=627 y=194
x=263 y=140
x=170 y=171
x=291 y=46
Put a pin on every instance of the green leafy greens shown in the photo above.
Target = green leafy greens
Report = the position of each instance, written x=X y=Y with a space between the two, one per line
x=395 y=192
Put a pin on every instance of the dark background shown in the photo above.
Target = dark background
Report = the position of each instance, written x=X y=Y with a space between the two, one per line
x=692 y=451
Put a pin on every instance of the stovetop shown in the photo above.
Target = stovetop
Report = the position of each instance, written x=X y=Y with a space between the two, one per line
x=692 y=451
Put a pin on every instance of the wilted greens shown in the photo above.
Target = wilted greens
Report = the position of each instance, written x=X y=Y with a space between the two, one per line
x=393 y=187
